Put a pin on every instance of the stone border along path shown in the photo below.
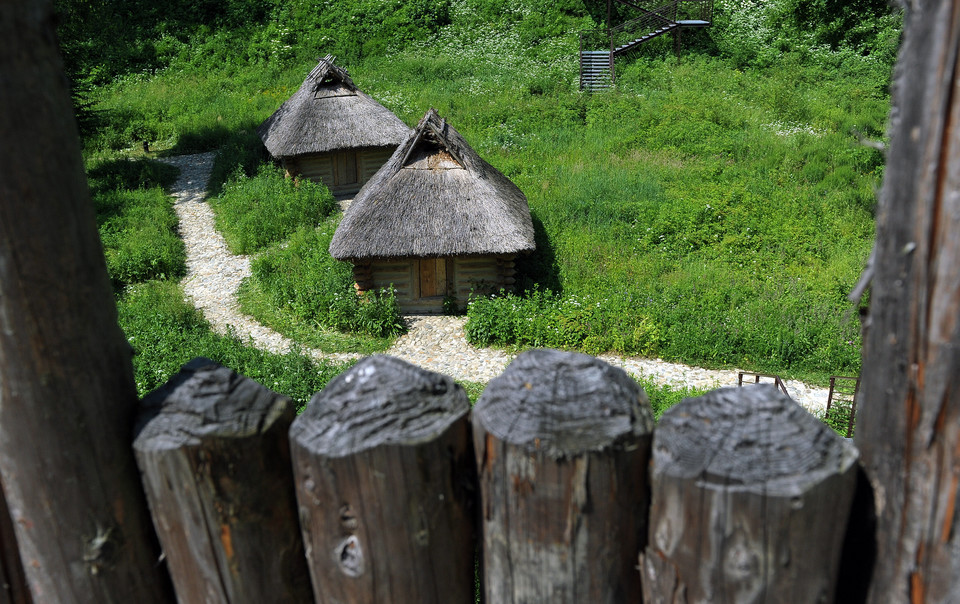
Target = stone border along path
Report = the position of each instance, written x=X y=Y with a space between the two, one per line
x=436 y=343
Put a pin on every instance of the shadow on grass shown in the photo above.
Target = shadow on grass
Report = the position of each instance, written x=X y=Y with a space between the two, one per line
x=539 y=269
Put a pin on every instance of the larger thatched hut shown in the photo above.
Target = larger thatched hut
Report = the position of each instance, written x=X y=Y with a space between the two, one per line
x=436 y=221
x=331 y=132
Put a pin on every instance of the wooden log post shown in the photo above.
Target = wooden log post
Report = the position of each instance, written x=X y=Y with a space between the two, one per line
x=751 y=496
x=214 y=454
x=386 y=486
x=908 y=427
x=67 y=394
x=562 y=447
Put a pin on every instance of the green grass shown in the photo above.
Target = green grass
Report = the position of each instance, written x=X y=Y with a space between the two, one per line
x=312 y=288
x=259 y=305
x=135 y=218
x=166 y=332
x=717 y=208
x=253 y=212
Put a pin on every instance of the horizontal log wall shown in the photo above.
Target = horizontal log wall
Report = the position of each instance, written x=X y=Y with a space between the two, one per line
x=370 y=161
x=322 y=168
x=399 y=272
x=480 y=275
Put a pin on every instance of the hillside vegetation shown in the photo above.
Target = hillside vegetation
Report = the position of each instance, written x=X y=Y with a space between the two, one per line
x=714 y=209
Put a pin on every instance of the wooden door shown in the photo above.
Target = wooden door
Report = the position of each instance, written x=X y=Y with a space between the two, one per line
x=345 y=169
x=433 y=277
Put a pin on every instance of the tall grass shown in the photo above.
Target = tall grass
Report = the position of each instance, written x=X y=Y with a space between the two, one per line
x=254 y=211
x=721 y=204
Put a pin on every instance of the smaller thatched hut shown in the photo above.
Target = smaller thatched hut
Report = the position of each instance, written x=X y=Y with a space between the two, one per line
x=331 y=132
x=436 y=221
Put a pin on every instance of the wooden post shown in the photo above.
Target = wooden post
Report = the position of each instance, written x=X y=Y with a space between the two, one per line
x=751 y=496
x=562 y=445
x=13 y=582
x=213 y=449
x=386 y=486
x=909 y=408
x=67 y=395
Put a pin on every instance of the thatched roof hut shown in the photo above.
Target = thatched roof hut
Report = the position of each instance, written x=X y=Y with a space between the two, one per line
x=436 y=221
x=330 y=131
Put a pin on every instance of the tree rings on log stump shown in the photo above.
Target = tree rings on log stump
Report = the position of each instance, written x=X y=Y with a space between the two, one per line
x=385 y=483
x=562 y=446
x=214 y=454
x=751 y=496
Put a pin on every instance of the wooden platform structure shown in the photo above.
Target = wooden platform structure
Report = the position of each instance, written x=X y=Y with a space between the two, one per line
x=598 y=49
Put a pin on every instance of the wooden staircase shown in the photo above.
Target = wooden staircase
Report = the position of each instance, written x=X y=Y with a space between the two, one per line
x=596 y=64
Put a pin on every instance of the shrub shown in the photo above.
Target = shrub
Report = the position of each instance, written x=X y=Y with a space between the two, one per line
x=302 y=277
x=136 y=220
x=253 y=212
x=166 y=332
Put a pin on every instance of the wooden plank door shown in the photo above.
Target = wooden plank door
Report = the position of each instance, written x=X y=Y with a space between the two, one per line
x=345 y=169
x=433 y=277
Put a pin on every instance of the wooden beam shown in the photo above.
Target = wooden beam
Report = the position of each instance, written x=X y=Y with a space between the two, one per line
x=213 y=449
x=386 y=486
x=562 y=446
x=751 y=496
x=909 y=407
x=67 y=395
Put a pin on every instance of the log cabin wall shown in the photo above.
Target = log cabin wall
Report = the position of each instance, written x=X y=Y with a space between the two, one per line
x=423 y=283
x=343 y=172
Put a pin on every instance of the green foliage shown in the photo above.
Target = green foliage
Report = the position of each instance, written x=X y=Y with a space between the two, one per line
x=135 y=217
x=722 y=204
x=259 y=305
x=166 y=332
x=546 y=320
x=301 y=277
x=663 y=397
x=253 y=212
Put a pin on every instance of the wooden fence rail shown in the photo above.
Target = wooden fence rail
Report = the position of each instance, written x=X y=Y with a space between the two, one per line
x=750 y=493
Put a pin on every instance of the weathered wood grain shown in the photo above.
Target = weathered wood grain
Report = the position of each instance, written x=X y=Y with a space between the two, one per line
x=386 y=486
x=67 y=395
x=909 y=413
x=751 y=496
x=214 y=453
x=562 y=445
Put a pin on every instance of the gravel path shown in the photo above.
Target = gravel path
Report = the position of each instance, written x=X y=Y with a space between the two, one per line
x=435 y=343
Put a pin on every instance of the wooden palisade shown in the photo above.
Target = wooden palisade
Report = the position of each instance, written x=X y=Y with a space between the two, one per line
x=212 y=447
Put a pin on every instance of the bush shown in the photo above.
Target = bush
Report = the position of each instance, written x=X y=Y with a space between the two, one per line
x=166 y=332
x=253 y=212
x=544 y=319
x=136 y=220
x=302 y=277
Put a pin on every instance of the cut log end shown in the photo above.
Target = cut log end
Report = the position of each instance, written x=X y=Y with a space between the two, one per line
x=753 y=437
x=564 y=403
x=206 y=400
x=381 y=400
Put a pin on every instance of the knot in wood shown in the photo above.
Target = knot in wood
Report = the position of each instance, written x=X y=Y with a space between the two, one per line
x=564 y=403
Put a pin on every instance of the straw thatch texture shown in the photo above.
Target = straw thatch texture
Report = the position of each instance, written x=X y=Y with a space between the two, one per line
x=329 y=113
x=435 y=197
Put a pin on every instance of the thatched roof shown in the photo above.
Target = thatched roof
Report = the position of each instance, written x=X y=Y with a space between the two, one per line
x=329 y=113
x=435 y=197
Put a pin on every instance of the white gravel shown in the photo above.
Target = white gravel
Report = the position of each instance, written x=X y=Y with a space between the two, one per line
x=437 y=343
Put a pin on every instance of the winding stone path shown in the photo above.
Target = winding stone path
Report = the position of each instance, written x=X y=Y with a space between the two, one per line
x=437 y=343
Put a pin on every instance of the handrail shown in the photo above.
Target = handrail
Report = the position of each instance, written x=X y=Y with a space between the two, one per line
x=657 y=13
x=776 y=380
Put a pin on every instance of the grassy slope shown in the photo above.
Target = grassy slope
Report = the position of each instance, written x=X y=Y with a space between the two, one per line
x=731 y=207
